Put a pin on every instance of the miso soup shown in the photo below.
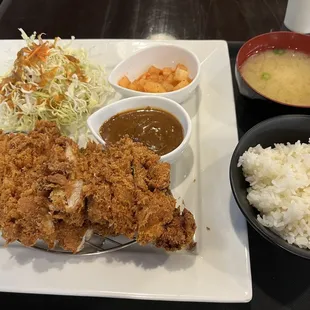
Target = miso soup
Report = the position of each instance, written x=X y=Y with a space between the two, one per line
x=281 y=75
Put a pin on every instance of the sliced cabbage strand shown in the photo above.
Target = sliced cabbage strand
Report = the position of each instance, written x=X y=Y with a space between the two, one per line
x=52 y=83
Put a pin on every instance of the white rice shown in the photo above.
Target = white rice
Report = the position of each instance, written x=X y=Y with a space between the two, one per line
x=279 y=180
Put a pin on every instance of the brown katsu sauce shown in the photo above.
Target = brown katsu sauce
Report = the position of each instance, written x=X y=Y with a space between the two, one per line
x=157 y=129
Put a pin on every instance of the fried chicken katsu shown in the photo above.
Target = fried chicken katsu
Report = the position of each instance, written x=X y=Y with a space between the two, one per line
x=53 y=191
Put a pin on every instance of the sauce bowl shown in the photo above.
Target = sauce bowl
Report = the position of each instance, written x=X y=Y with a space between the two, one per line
x=271 y=40
x=160 y=56
x=95 y=120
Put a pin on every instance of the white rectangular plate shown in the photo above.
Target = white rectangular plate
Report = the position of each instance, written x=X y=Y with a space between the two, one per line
x=219 y=269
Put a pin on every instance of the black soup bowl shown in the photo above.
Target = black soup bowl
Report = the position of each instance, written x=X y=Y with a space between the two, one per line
x=280 y=129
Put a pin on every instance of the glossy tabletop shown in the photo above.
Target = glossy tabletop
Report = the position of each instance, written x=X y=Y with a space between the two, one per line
x=231 y=20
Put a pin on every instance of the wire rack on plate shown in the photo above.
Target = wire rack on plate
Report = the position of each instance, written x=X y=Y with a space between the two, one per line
x=94 y=246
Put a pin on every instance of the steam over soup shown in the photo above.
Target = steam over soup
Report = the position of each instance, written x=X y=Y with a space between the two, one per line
x=281 y=75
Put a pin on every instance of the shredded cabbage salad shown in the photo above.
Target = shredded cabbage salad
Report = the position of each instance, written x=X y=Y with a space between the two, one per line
x=53 y=83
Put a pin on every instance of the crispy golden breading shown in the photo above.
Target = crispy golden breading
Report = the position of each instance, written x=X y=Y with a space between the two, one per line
x=29 y=221
x=68 y=203
x=103 y=229
x=109 y=187
x=70 y=237
x=53 y=191
x=159 y=176
x=24 y=209
x=155 y=211
x=179 y=232
x=34 y=168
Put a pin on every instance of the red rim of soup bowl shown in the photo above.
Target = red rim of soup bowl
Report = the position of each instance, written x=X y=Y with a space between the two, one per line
x=272 y=40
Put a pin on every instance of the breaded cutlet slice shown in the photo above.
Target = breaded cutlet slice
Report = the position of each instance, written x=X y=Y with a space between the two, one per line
x=179 y=233
x=70 y=237
x=66 y=192
x=109 y=186
x=68 y=204
x=155 y=211
x=29 y=222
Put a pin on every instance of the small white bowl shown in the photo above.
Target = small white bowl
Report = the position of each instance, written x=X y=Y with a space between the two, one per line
x=95 y=120
x=160 y=56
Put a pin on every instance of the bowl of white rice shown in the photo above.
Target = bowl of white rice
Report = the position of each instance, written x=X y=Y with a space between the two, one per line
x=270 y=180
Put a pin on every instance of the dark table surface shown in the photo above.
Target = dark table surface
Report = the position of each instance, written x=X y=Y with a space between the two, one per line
x=280 y=280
